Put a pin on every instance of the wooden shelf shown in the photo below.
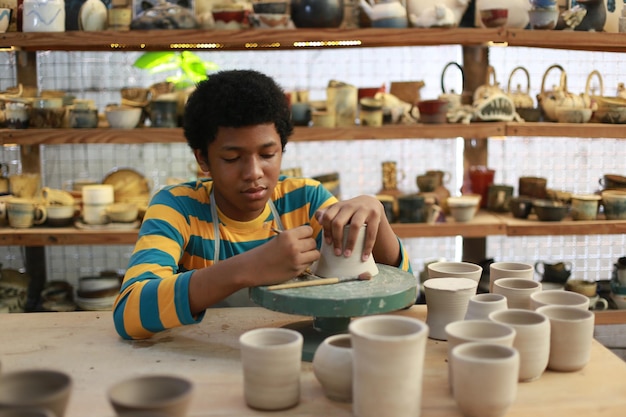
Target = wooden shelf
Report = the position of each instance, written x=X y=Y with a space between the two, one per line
x=250 y=39
x=310 y=134
x=483 y=225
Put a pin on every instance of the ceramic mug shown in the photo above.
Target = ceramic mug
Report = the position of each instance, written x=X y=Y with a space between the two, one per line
x=388 y=354
x=271 y=360
x=24 y=213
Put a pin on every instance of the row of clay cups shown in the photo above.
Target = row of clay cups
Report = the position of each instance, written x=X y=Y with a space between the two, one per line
x=563 y=323
x=378 y=366
x=46 y=393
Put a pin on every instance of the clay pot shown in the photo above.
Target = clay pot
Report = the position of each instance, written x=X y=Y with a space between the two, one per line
x=332 y=366
x=446 y=300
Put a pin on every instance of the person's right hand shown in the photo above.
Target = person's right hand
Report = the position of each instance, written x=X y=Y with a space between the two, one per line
x=286 y=256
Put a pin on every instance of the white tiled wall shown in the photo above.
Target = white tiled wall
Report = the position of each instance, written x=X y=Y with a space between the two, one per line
x=568 y=163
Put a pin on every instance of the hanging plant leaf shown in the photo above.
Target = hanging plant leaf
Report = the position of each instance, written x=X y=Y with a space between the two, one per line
x=154 y=59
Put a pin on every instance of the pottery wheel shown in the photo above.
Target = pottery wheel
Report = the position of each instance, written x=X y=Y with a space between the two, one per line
x=332 y=306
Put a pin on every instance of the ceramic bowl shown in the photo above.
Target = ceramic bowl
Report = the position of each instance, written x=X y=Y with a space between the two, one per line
x=123 y=117
x=551 y=211
x=529 y=114
x=59 y=216
x=270 y=7
x=581 y=286
x=463 y=208
x=614 y=202
x=521 y=206
x=611 y=114
x=494 y=18
x=433 y=111
x=573 y=115
x=270 y=21
x=613 y=181
x=543 y=18
x=165 y=394
x=36 y=388
x=122 y=212
x=228 y=18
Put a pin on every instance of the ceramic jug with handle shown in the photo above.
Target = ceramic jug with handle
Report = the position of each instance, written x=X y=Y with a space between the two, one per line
x=521 y=99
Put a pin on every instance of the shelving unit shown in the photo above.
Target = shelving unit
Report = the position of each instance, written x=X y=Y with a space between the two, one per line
x=484 y=225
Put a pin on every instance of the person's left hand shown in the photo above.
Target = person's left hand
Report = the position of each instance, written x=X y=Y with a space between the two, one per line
x=356 y=212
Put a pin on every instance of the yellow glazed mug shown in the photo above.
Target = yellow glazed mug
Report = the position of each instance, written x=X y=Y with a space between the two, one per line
x=24 y=213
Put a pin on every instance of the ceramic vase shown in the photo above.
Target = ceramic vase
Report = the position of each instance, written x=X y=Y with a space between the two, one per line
x=532 y=340
x=446 y=301
x=332 y=366
x=271 y=360
x=388 y=365
x=517 y=291
x=571 y=335
x=485 y=378
x=330 y=265
x=92 y=16
x=499 y=270
x=480 y=305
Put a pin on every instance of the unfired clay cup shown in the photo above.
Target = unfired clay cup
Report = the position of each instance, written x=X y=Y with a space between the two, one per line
x=35 y=388
x=271 y=360
x=532 y=340
x=330 y=265
x=480 y=305
x=446 y=269
x=484 y=378
x=517 y=291
x=484 y=331
x=571 y=335
x=332 y=366
x=166 y=395
x=388 y=365
x=559 y=297
x=499 y=270
x=446 y=301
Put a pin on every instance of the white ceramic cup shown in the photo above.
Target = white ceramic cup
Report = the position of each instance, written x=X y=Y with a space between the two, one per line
x=388 y=353
x=446 y=301
x=96 y=194
x=484 y=331
x=517 y=291
x=95 y=214
x=571 y=335
x=484 y=378
x=532 y=340
x=35 y=388
x=480 y=305
x=499 y=270
x=271 y=360
x=559 y=297
x=446 y=269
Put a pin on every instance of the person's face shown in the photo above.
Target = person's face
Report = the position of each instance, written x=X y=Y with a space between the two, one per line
x=244 y=163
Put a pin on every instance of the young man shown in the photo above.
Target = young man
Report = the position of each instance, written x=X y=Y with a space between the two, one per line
x=202 y=241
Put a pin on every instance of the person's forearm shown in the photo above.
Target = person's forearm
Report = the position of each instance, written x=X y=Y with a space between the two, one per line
x=387 y=248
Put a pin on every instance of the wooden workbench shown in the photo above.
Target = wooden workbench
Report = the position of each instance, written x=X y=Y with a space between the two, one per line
x=85 y=345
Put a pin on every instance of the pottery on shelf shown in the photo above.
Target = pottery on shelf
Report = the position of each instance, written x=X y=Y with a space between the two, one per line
x=317 y=13
x=92 y=16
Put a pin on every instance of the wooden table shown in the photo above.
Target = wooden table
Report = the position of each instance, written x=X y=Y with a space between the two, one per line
x=85 y=345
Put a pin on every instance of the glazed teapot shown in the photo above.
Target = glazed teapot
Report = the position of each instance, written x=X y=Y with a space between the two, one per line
x=454 y=100
x=591 y=100
x=521 y=99
x=384 y=10
x=558 y=96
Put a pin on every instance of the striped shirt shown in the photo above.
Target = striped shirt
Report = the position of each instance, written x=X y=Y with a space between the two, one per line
x=177 y=237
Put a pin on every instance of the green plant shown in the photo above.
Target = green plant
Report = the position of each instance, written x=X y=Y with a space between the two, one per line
x=190 y=68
